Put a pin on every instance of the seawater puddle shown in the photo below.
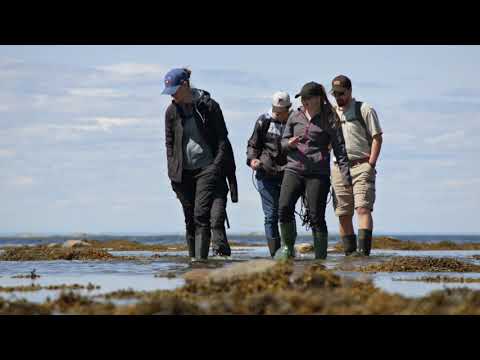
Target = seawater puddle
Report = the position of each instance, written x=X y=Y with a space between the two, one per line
x=140 y=275
x=110 y=276
x=411 y=288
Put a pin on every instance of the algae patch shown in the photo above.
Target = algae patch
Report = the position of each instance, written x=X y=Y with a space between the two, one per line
x=396 y=244
x=420 y=264
x=35 y=287
x=42 y=252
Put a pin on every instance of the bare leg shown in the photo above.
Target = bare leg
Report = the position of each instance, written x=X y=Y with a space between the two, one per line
x=346 y=225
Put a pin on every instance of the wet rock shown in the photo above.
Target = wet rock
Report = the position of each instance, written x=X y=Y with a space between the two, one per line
x=197 y=275
x=244 y=269
x=304 y=248
x=75 y=243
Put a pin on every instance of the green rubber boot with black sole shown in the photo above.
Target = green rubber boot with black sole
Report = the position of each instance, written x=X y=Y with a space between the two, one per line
x=288 y=234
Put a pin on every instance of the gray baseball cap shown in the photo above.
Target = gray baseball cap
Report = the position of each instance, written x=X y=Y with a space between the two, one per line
x=281 y=99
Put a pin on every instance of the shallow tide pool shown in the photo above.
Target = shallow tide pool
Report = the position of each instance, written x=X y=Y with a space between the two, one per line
x=140 y=275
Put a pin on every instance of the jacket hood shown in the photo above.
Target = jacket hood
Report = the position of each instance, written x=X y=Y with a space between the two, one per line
x=201 y=97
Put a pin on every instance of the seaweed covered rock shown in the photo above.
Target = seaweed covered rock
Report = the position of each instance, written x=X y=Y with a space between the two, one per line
x=304 y=248
x=387 y=242
x=42 y=252
x=75 y=243
x=421 y=264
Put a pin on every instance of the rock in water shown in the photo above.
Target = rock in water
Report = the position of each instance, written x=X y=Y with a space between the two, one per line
x=304 y=248
x=75 y=243
x=229 y=273
x=241 y=269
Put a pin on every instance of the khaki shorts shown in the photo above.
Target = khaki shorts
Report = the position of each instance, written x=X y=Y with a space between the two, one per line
x=362 y=194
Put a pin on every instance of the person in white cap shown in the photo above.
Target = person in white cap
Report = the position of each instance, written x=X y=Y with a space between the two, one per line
x=265 y=156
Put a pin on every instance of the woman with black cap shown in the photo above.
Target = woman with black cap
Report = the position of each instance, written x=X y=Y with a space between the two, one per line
x=199 y=158
x=308 y=135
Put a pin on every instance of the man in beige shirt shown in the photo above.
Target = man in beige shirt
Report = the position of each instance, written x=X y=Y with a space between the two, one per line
x=363 y=140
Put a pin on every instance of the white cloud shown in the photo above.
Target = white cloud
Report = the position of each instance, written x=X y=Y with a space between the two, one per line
x=22 y=180
x=3 y=107
x=41 y=100
x=107 y=122
x=97 y=92
x=398 y=138
x=133 y=69
x=6 y=153
x=462 y=183
x=457 y=136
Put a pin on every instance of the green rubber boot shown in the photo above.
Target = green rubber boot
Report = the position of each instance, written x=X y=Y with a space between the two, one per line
x=288 y=235
x=320 y=244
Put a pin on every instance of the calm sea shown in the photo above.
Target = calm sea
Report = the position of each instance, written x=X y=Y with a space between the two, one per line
x=243 y=238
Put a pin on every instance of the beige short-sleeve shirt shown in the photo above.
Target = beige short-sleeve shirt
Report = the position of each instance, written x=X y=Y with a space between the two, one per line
x=355 y=140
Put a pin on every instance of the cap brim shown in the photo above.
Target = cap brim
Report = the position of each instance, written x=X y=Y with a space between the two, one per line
x=280 y=108
x=337 y=88
x=298 y=95
x=170 y=90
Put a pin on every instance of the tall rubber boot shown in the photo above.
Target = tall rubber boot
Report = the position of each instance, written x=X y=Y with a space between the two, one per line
x=190 y=236
x=364 y=241
x=320 y=244
x=288 y=235
x=349 y=244
x=273 y=245
x=202 y=243
x=220 y=246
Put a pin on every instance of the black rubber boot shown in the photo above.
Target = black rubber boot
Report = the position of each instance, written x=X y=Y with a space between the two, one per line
x=349 y=244
x=288 y=235
x=364 y=241
x=190 y=244
x=202 y=243
x=273 y=245
x=320 y=244
x=220 y=246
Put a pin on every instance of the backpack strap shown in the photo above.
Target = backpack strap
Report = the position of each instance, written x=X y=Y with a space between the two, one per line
x=359 y=117
x=265 y=125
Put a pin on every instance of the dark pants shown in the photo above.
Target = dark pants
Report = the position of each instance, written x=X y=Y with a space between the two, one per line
x=316 y=191
x=218 y=214
x=269 y=189
x=196 y=193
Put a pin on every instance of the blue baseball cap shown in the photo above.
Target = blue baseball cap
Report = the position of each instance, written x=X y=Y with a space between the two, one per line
x=173 y=80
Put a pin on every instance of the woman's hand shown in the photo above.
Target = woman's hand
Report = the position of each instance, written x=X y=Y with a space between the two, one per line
x=255 y=164
x=292 y=142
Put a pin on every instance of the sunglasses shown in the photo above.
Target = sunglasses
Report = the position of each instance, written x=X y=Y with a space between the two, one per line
x=338 y=93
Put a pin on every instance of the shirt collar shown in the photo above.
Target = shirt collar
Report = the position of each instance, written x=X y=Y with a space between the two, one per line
x=345 y=109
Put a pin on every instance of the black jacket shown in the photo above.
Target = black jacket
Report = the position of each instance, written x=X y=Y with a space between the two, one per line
x=211 y=124
x=265 y=145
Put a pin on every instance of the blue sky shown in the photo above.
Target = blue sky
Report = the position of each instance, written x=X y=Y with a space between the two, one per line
x=82 y=131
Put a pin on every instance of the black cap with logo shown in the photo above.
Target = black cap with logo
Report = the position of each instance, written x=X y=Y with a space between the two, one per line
x=310 y=89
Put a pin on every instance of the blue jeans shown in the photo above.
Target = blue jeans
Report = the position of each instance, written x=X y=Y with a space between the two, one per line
x=270 y=193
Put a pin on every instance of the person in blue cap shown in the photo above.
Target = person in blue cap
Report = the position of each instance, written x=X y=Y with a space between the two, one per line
x=200 y=158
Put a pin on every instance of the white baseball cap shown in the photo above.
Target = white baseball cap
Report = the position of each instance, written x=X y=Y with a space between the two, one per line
x=281 y=99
